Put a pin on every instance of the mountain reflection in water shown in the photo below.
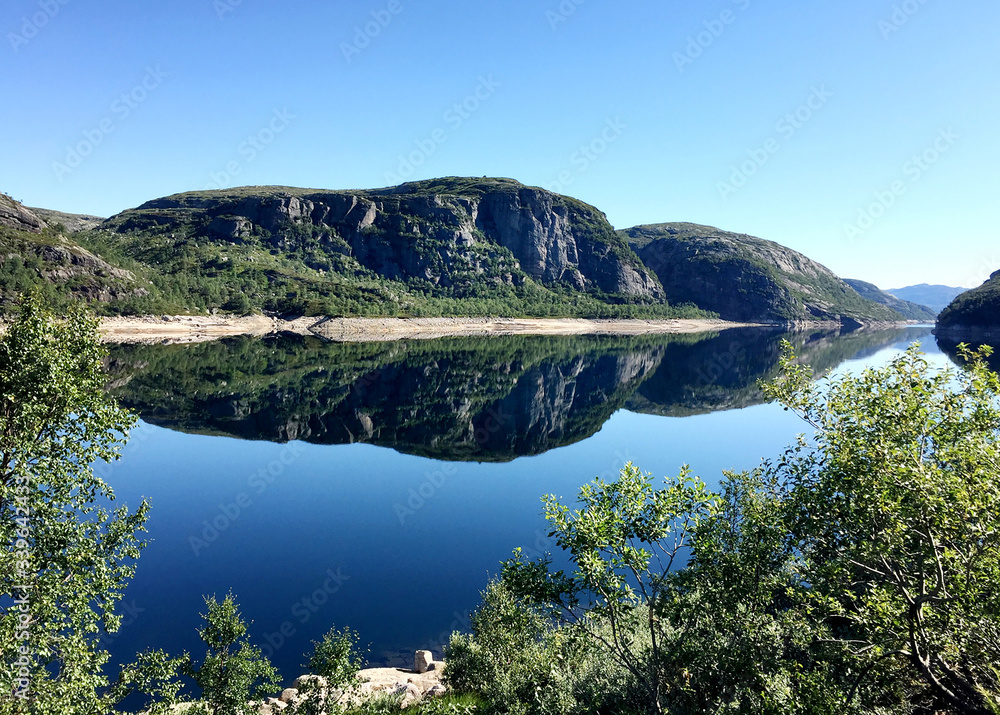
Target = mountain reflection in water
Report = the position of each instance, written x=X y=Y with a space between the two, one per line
x=460 y=399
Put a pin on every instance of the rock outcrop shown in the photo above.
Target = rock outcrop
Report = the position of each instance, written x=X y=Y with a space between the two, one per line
x=454 y=234
x=407 y=686
x=14 y=215
x=747 y=279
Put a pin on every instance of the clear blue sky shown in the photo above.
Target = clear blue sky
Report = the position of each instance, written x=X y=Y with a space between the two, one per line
x=669 y=98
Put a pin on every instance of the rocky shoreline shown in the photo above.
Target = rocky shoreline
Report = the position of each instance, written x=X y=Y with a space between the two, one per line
x=193 y=329
x=424 y=680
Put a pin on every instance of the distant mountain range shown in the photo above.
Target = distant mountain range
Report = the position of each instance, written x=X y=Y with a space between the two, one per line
x=451 y=246
x=936 y=297
x=912 y=311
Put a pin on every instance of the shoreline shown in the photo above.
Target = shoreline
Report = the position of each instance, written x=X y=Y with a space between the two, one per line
x=195 y=329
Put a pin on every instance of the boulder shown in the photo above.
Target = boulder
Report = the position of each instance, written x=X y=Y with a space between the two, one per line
x=422 y=661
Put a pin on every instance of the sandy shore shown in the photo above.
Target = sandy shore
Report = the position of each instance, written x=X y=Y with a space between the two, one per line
x=192 y=329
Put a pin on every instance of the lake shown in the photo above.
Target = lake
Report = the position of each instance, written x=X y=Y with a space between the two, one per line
x=379 y=486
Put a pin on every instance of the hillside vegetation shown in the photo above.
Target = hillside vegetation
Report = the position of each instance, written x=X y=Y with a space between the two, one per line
x=909 y=310
x=974 y=314
x=443 y=247
x=745 y=278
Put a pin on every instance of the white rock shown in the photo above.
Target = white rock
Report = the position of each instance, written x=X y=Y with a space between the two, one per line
x=422 y=660
x=289 y=694
x=310 y=682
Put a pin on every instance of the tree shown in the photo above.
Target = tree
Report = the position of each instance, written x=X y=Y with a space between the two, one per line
x=894 y=508
x=234 y=672
x=334 y=665
x=623 y=542
x=66 y=555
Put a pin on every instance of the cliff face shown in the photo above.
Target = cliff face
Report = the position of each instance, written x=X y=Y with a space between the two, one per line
x=745 y=278
x=445 y=233
x=974 y=314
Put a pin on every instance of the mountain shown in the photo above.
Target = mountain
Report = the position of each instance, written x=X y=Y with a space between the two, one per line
x=35 y=254
x=452 y=246
x=974 y=314
x=910 y=311
x=745 y=278
x=935 y=297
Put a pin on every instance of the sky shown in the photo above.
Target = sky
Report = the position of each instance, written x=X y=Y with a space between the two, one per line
x=862 y=133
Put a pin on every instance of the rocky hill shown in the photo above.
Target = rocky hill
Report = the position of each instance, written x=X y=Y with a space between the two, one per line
x=745 y=278
x=443 y=247
x=910 y=311
x=973 y=315
x=40 y=256
x=488 y=242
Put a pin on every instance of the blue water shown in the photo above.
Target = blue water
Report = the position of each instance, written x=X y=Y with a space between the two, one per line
x=396 y=546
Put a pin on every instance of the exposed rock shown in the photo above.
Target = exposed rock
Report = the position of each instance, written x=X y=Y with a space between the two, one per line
x=446 y=232
x=71 y=222
x=422 y=661
x=14 y=215
x=745 y=278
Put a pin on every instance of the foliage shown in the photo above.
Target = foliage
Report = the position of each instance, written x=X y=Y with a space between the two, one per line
x=895 y=508
x=66 y=555
x=857 y=573
x=334 y=665
x=156 y=675
x=622 y=541
x=233 y=672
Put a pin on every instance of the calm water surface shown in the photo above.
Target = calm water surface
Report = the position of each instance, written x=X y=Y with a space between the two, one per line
x=379 y=485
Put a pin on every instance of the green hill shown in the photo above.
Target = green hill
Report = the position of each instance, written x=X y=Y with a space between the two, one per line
x=745 y=278
x=37 y=255
x=910 y=311
x=444 y=247
x=974 y=314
